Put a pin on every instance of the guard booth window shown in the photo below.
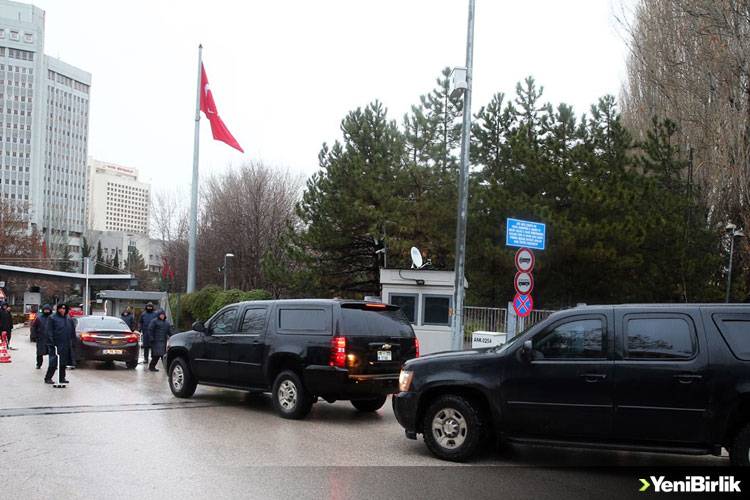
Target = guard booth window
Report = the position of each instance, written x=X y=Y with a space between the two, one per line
x=407 y=302
x=436 y=309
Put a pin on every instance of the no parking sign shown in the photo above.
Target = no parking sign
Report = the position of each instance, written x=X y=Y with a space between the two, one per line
x=523 y=304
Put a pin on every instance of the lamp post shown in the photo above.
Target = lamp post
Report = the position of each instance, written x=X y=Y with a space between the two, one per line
x=224 y=268
x=462 y=85
x=733 y=233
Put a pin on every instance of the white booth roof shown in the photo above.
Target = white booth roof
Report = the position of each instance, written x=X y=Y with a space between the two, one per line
x=410 y=277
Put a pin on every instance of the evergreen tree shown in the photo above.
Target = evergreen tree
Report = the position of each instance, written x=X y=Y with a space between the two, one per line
x=99 y=267
x=136 y=265
x=358 y=189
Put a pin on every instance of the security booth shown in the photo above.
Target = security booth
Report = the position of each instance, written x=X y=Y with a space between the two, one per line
x=426 y=297
x=116 y=301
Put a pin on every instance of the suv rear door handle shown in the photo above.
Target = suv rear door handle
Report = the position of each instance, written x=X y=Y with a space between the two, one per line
x=593 y=377
x=686 y=378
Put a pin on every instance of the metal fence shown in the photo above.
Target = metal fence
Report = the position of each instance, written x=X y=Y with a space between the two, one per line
x=496 y=319
x=488 y=319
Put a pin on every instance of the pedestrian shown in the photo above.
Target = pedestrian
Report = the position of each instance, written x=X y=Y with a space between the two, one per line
x=39 y=334
x=6 y=323
x=128 y=319
x=143 y=321
x=59 y=330
x=159 y=330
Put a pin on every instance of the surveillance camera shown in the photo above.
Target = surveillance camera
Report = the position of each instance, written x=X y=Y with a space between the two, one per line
x=730 y=227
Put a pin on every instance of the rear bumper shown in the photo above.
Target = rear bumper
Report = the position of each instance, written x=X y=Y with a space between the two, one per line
x=405 y=406
x=336 y=383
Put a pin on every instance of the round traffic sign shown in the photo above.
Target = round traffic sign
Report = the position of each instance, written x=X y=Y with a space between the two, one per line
x=524 y=283
x=523 y=304
x=524 y=260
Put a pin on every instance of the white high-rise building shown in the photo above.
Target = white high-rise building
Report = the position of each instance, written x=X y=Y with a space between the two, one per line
x=116 y=200
x=44 y=120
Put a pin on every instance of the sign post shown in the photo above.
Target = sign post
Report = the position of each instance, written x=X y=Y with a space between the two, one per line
x=528 y=236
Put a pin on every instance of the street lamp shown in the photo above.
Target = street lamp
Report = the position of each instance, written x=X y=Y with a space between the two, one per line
x=224 y=269
x=733 y=233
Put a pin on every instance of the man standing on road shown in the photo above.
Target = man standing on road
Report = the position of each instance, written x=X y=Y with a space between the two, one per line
x=59 y=330
x=146 y=317
x=128 y=319
x=6 y=323
x=159 y=330
x=39 y=334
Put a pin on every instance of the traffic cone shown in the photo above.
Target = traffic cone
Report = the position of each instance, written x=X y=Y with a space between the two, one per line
x=4 y=356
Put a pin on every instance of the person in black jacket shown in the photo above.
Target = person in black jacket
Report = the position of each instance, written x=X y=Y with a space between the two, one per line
x=159 y=330
x=128 y=319
x=6 y=323
x=59 y=330
x=39 y=334
x=143 y=321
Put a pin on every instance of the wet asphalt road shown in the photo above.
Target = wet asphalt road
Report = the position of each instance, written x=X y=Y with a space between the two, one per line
x=119 y=433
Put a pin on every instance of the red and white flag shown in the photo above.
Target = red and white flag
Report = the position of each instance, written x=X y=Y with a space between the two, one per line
x=208 y=106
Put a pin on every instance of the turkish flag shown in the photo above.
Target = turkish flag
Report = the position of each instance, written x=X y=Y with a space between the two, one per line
x=208 y=106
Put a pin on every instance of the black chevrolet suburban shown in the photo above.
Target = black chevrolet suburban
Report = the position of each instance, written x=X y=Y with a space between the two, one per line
x=657 y=378
x=298 y=350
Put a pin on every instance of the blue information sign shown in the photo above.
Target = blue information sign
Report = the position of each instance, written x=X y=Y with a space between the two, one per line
x=521 y=233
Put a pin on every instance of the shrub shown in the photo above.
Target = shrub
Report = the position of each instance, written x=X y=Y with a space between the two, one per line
x=201 y=305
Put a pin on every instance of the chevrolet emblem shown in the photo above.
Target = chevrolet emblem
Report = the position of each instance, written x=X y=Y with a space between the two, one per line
x=386 y=346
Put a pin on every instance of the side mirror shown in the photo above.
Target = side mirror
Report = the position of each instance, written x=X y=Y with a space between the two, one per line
x=198 y=327
x=527 y=352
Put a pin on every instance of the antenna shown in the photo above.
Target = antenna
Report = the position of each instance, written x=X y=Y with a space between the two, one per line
x=416 y=258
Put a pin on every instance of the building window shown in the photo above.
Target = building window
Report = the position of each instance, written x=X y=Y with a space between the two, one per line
x=407 y=302
x=436 y=309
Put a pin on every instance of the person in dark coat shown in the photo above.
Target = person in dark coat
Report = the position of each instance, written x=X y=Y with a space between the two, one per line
x=59 y=330
x=128 y=319
x=6 y=323
x=144 y=320
x=159 y=330
x=39 y=334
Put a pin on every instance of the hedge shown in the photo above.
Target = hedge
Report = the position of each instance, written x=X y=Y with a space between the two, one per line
x=201 y=305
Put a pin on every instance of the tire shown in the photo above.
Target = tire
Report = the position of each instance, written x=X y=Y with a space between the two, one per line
x=290 y=397
x=453 y=428
x=131 y=364
x=739 y=451
x=373 y=404
x=181 y=381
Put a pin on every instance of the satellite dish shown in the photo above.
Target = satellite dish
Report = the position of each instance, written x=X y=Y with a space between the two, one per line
x=416 y=258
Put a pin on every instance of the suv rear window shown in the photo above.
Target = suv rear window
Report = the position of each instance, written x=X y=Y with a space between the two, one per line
x=304 y=320
x=735 y=328
x=361 y=322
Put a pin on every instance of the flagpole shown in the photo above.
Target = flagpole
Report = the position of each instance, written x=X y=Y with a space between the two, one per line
x=194 y=190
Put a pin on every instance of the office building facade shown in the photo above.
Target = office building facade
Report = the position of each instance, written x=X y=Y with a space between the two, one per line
x=44 y=125
x=117 y=201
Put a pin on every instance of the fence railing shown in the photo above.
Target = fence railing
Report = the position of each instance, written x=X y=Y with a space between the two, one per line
x=497 y=319
x=488 y=319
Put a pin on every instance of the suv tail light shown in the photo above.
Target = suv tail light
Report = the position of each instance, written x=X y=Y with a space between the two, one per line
x=338 y=351
x=416 y=345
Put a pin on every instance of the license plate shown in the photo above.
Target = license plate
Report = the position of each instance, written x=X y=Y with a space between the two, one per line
x=111 y=351
x=385 y=356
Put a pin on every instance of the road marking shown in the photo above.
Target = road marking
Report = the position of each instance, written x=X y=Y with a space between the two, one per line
x=58 y=410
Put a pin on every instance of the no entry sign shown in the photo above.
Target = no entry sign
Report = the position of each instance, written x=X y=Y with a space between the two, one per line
x=523 y=305
x=524 y=260
x=524 y=283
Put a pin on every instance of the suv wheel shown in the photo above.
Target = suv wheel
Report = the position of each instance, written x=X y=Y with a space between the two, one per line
x=739 y=451
x=453 y=429
x=373 y=404
x=181 y=381
x=290 y=397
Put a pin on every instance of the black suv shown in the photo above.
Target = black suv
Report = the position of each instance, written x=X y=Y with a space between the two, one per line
x=298 y=350
x=657 y=378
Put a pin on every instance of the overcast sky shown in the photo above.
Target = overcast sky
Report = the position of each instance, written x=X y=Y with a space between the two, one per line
x=285 y=73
